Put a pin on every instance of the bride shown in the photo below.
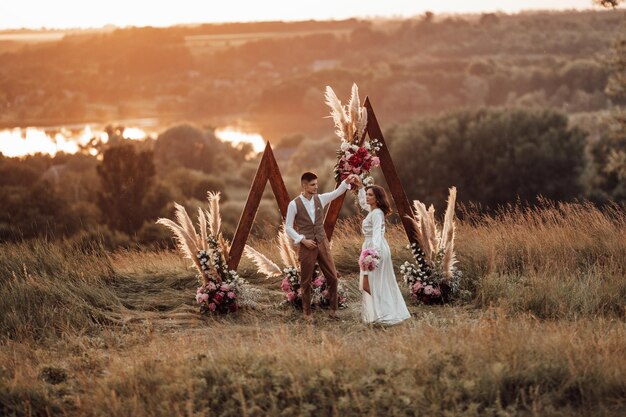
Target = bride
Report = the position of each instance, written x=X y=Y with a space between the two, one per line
x=382 y=300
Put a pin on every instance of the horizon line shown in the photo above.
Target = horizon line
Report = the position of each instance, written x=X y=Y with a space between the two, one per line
x=297 y=20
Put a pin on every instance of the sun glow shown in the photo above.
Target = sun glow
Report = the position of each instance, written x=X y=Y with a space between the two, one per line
x=20 y=142
x=79 y=13
x=29 y=141
x=236 y=137
x=133 y=133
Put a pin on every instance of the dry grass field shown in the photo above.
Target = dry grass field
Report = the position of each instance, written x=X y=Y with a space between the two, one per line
x=538 y=331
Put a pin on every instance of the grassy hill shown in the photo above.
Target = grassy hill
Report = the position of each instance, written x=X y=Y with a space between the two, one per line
x=539 y=331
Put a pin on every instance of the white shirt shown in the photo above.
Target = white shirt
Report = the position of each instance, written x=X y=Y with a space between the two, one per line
x=292 y=209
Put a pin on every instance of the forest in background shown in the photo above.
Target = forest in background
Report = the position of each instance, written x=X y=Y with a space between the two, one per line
x=273 y=74
x=505 y=107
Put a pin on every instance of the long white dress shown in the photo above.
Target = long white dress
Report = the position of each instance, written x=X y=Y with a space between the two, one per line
x=385 y=304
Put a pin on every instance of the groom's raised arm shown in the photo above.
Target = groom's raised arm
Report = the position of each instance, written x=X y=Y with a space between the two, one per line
x=291 y=216
x=328 y=197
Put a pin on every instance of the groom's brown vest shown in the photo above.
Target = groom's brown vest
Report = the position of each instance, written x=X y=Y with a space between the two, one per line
x=304 y=225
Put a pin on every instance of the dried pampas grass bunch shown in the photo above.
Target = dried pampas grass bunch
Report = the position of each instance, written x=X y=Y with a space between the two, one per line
x=221 y=290
x=265 y=265
x=191 y=242
x=435 y=241
x=350 y=120
x=433 y=278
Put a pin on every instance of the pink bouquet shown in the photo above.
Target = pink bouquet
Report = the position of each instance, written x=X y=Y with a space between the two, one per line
x=369 y=259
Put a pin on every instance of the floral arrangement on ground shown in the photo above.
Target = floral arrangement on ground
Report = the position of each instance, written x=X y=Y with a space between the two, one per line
x=221 y=290
x=434 y=277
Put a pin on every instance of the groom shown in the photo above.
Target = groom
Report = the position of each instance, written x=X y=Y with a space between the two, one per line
x=306 y=213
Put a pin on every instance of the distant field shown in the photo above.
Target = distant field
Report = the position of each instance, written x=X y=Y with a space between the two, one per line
x=32 y=37
x=200 y=44
x=13 y=41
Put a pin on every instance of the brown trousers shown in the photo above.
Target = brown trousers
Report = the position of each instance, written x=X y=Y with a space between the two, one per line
x=307 y=258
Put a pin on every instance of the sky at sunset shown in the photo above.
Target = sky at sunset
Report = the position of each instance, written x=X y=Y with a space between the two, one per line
x=87 y=13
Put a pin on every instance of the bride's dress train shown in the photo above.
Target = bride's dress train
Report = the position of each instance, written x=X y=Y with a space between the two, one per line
x=385 y=304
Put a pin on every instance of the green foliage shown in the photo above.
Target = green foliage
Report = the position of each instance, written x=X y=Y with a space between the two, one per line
x=493 y=156
x=607 y=180
x=608 y=3
x=34 y=211
x=184 y=146
x=189 y=147
x=616 y=87
x=17 y=174
x=126 y=178
x=194 y=184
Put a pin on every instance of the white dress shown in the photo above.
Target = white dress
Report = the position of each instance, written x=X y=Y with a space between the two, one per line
x=385 y=304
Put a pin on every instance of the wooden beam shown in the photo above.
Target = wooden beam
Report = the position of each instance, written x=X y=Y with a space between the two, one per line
x=268 y=170
x=390 y=173
x=277 y=183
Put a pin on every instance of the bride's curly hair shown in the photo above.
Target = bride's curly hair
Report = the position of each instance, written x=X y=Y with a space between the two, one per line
x=381 y=198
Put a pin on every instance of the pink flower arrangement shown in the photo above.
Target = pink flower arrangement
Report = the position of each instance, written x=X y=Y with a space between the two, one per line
x=319 y=281
x=290 y=285
x=369 y=259
x=217 y=298
x=426 y=282
x=201 y=298
x=355 y=159
x=426 y=292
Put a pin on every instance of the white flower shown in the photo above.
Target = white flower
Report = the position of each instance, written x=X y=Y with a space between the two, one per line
x=344 y=145
x=368 y=146
x=355 y=147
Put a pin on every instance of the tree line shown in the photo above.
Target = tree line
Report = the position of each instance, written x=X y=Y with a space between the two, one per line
x=494 y=156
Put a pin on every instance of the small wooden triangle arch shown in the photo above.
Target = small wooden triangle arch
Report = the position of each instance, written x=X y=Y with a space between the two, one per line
x=268 y=171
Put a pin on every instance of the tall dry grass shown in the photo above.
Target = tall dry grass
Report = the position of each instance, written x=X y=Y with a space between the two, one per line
x=540 y=331
x=556 y=260
x=438 y=365
x=50 y=288
x=47 y=288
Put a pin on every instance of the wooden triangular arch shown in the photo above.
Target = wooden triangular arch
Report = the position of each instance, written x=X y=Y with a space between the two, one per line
x=391 y=176
x=268 y=171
